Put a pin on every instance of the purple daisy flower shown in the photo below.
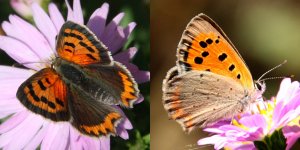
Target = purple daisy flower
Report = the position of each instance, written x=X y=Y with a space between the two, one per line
x=22 y=7
x=281 y=112
x=27 y=43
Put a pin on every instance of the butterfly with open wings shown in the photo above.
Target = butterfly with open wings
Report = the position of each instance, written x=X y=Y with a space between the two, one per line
x=82 y=85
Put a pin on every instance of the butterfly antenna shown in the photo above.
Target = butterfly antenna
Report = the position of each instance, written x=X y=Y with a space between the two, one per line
x=260 y=78
x=272 y=78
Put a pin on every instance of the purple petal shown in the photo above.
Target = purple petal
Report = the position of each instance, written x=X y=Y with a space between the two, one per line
x=44 y=24
x=9 y=88
x=140 y=99
x=91 y=142
x=7 y=72
x=14 y=47
x=292 y=140
x=214 y=130
x=139 y=76
x=50 y=136
x=125 y=56
x=277 y=112
x=37 y=139
x=111 y=31
x=13 y=121
x=77 y=11
x=104 y=143
x=122 y=133
x=8 y=136
x=56 y=16
x=120 y=40
x=75 y=142
x=116 y=39
x=249 y=146
x=25 y=136
x=70 y=12
x=29 y=35
x=255 y=120
x=98 y=19
x=10 y=106
x=60 y=140
x=216 y=140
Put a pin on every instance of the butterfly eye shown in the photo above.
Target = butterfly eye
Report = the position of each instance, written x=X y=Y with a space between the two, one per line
x=260 y=85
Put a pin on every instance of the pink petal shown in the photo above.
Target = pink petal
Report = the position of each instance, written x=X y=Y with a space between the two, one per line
x=37 y=139
x=56 y=16
x=10 y=106
x=11 y=134
x=255 y=120
x=13 y=121
x=285 y=83
x=123 y=133
x=97 y=21
x=9 y=88
x=104 y=143
x=25 y=135
x=29 y=35
x=44 y=24
x=19 y=52
x=70 y=12
x=61 y=139
x=7 y=72
x=54 y=130
x=78 y=16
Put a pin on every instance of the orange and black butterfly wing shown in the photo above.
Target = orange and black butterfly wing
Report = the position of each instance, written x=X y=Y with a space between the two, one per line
x=91 y=117
x=205 y=47
x=45 y=93
x=77 y=44
x=117 y=84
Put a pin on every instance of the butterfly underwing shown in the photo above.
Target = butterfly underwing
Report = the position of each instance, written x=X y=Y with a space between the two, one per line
x=210 y=80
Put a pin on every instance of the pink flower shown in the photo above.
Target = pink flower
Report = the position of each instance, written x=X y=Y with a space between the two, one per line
x=27 y=43
x=267 y=117
x=23 y=7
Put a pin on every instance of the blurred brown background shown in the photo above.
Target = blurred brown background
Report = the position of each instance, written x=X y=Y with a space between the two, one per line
x=266 y=32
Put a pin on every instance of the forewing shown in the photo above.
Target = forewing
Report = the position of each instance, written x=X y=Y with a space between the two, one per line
x=45 y=93
x=204 y=46
x=92 y=117
x=199 y=98
x=77 y=44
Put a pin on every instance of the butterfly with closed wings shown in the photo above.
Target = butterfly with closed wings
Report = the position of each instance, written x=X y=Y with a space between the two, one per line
x=210 y=80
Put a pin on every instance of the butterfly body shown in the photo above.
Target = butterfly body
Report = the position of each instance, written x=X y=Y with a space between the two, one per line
x=210 y=81
x=82 y=85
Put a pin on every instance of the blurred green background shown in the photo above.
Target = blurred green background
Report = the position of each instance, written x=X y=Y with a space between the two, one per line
x=135 y=11
x=266 y=32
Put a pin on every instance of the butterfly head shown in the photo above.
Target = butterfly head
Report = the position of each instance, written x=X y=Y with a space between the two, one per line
x=260 y=86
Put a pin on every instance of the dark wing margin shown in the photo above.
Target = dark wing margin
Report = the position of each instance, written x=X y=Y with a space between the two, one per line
x=91 y=117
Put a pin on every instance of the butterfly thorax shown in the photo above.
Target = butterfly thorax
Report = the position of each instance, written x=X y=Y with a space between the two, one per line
x=84 y=80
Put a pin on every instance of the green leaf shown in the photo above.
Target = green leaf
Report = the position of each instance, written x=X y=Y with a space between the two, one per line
x=141 y=143
x=275 y=141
